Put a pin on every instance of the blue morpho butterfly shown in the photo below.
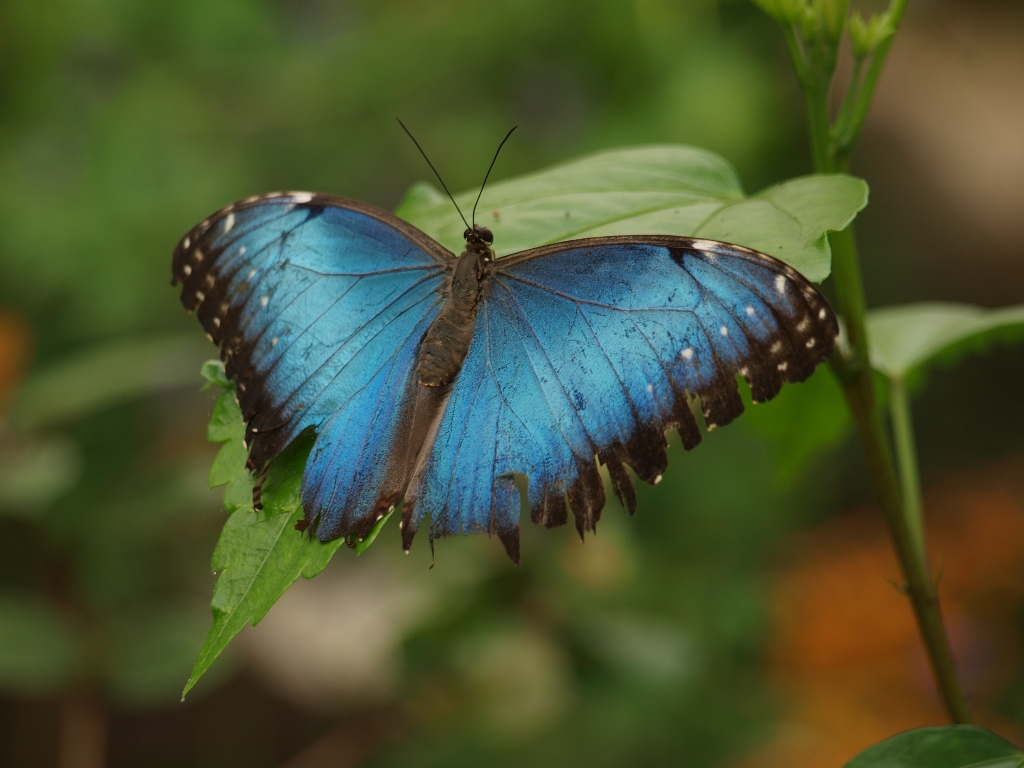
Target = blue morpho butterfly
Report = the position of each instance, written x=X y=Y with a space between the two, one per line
x=436 y=379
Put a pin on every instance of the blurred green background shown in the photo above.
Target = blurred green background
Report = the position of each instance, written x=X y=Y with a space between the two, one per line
x=657 y=642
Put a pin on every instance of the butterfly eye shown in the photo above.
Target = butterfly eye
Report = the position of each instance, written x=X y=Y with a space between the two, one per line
x=485 y=234
x=465 y=235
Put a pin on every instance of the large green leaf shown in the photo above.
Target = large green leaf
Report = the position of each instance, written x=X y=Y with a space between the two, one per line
x=953 y=746
x=906 y=339
x=260 y=554
x=654 y=190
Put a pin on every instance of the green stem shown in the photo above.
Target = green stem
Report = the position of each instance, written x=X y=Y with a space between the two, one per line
x=850 y=98
x=905 y=528
x=858 y=112
x=908 y=532
x=831 y=155
x=906 y=462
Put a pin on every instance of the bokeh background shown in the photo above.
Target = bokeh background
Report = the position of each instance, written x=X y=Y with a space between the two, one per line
x=746 y=616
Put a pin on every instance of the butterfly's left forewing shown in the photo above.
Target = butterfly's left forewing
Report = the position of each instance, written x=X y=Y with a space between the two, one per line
x=595 y=348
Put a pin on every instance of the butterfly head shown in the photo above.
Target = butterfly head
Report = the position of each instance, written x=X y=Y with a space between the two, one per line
x=478 y=238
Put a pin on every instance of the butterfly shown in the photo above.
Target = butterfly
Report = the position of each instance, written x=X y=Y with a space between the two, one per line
x=436 y=381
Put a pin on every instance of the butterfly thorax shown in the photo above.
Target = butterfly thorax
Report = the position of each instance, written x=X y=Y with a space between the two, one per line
x=446 y=342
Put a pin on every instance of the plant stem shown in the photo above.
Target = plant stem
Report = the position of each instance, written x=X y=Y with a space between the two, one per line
x=905 y=526
x=858 y=110
x=914 y=556
x=906 y=463
x=831 y=155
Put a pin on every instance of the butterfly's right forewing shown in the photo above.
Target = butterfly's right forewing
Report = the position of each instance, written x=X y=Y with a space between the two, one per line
x=319 y=305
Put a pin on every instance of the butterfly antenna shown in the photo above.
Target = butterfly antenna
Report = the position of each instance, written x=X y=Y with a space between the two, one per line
x=473 y=218
x=443 y=185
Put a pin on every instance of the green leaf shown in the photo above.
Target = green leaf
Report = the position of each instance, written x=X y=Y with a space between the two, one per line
x=953 y=746
x=105 y=375
x=907 y=339
x=654 y=190
x=238 y=494
x=260 y=554
x=229 y=465
x=213 y=372
x=790 y=220
x=226 y=422
x=227 y=426
x=38 y=647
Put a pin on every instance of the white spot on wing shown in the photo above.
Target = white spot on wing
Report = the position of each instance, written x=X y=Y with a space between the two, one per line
x=302 y=197
x=783 y=366
x=273 y=341
x=252 y=273
x=822 y=314
x=657 y=479
x=686 y=354
x=750 y=311
x=650 y=388
x=705 y=245
x=264 y=301
x=780 y=283
x=216 y=322
x=229 y=222
x=241 y=251
x=724 y=331
x=186 y=270
x=803 y=324
x=776 y=347
x=811 y=342
x=186 y=242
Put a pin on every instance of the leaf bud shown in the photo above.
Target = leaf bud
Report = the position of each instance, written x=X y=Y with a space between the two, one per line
x=866 y=36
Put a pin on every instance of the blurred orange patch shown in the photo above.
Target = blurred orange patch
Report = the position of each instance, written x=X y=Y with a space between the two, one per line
x=14 y=350
x=845 y=653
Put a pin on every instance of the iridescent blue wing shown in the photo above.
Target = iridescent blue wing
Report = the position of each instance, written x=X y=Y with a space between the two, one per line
x=595 y=348
x=318 y=304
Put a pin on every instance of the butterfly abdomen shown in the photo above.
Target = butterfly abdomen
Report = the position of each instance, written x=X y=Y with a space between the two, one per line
x=446 y=342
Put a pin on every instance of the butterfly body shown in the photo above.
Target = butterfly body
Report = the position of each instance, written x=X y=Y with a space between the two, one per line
x=434 y=380
x=447 y=341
